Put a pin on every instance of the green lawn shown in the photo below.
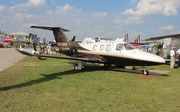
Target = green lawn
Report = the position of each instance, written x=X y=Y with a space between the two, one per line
x=51 y=85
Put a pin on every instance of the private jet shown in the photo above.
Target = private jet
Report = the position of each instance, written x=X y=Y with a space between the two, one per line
x=108 y=53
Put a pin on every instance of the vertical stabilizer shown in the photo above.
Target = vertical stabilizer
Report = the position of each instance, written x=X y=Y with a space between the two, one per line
x=59 y=35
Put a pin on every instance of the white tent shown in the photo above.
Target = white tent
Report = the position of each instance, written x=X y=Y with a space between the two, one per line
x=18 y=34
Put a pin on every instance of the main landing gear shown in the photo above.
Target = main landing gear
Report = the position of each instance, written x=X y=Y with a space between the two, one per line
x=78 y=66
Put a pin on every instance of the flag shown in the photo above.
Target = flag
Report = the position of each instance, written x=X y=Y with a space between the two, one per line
x=1 y=32
x=138 y=39
x=127 y=39
x=135 y=41
x=2 y=39
x=44 y=41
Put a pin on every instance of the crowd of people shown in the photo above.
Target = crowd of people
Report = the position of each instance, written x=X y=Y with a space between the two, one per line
x=49 y=48
x=173 y=54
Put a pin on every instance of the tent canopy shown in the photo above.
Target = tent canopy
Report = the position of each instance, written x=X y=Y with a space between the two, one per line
x=18 y=34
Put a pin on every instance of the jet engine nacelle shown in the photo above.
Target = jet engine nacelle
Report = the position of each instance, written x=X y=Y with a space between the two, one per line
x=71 y=51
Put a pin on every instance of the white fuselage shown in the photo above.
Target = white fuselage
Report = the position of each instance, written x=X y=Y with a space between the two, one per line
x=123 y=50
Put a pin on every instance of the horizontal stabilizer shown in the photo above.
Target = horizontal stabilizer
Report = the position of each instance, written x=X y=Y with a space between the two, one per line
x=49 y=28
x=58 y=33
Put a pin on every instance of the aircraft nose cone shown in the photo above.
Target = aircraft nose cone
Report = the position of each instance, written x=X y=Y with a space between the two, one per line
x=161 y=60
x=157 y=59
x=151 y=58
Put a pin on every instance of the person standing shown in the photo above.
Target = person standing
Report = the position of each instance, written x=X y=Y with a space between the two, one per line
x=178 y=52
x=33 y=40
x=173 y=57
x=49 y=48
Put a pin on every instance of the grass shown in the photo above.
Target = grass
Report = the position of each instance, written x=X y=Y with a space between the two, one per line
x=51 y=85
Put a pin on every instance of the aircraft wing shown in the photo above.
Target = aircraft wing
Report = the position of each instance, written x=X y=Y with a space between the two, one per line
x=162 y=37
x=31 y=52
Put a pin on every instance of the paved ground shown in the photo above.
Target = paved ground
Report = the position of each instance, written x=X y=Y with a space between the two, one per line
x=9 y=56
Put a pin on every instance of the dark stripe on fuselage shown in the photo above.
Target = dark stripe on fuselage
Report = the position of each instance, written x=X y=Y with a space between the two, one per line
x=128 y=61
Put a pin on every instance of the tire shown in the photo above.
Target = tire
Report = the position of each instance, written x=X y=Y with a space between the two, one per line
x=145 y=72
x=76 y=67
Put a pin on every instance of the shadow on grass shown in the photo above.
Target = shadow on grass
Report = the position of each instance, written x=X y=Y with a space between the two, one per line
x=69 y=72
x=48 y=78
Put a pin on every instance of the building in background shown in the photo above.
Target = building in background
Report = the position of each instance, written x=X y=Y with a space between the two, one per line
x=19 y=39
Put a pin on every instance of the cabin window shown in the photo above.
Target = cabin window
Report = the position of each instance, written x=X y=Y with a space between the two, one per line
x=95 y=47
x=119 y=47
x=101 y=47
x=108 y=48
x=129 y=47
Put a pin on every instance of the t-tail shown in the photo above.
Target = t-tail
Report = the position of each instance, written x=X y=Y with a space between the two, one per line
x=59 y=35
x=66 y=46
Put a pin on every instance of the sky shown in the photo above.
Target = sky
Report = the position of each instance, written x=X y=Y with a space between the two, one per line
x=92 y=18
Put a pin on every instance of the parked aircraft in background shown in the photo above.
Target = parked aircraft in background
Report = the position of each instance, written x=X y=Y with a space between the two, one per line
x=170 y=41
x=118 y=53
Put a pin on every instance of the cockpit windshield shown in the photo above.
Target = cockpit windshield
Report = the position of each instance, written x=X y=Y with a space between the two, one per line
x=129 y=46
x=120 y=47
x=126 y=46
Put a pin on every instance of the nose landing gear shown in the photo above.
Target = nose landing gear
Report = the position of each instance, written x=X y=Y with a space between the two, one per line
x=145 y=71
x=78 y=66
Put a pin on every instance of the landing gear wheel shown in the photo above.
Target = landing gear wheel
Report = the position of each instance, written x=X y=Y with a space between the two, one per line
x=76 y=67
x=145 y=72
